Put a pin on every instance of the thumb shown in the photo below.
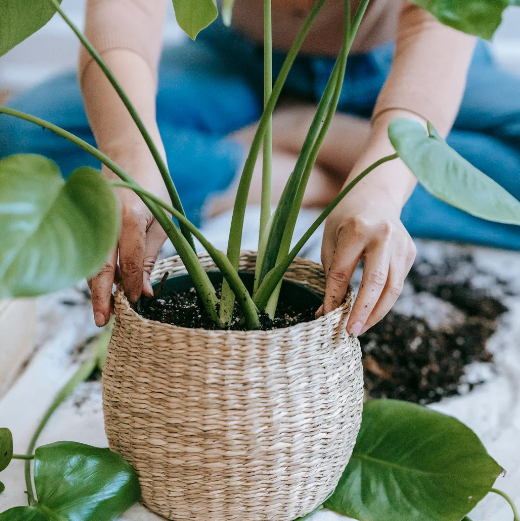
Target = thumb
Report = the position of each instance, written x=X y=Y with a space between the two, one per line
x=155 y=239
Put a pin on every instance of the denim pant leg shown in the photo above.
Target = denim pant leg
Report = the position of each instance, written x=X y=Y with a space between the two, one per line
x=487 y=134
x=201 y=99
x=58 y=101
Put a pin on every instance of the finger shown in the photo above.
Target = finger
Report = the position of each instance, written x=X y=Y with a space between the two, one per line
x=344 y=262
x=399 y=269
x=131 y=255
x=154 y=242
x=101 y=289
x=375 y=275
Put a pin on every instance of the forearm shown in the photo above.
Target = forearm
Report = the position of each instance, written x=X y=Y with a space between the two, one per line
x=429 y=69
x=128 y=35
x=394 y=183
x=116 y=133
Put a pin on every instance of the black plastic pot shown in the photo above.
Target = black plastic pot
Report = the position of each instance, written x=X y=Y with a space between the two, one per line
x=300 y=297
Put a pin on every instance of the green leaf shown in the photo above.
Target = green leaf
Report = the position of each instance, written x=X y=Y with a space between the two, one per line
x=448 y=176
x=478 y=17
x=27 y=514
x=227 y=11
x=18 y=20
x=80 y=483
x=54 y=233
x=76 y=481
x=6 y=448
x=194 y=15
x=6 y=451
x=411 y=463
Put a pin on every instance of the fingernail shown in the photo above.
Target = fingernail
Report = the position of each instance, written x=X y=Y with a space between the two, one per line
x=148 y=288
x=319 y=313
x=99 y=319
x=364 y=330
x=355 y=329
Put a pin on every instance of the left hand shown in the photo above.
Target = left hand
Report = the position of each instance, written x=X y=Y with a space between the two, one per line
x=366 y=225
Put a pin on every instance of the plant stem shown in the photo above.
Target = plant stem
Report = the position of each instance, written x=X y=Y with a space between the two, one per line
x=267 y=171
x=200 y=278
x=285 y=204
x=276 y=274
x=237 y=221
x=510 y=501
x=220 y=259
x=84 y=371
x=350 y=31
x=22 y=457
x=161 y=164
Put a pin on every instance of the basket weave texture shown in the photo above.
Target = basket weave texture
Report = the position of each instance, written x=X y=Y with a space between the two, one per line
x=234 y=425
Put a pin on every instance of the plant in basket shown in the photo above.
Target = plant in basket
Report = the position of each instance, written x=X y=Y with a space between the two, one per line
x=243 y=406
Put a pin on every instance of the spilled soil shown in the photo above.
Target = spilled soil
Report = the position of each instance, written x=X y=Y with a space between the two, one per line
x=407 y=358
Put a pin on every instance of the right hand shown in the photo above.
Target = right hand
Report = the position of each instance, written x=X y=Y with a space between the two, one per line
x=140 y=241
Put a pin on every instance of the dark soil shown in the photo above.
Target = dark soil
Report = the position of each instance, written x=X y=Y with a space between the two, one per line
x=406 y=359
x=183 y=309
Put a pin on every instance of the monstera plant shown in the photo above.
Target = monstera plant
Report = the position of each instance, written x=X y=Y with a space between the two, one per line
x=55 y=233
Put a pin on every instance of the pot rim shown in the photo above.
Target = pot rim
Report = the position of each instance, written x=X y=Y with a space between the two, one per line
x=338 y=313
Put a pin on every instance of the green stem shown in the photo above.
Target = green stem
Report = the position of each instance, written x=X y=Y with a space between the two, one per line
x=222 y=262
x=286 y=202
x=286 y=206
x=22 y=457
x=267 y=171
x=161 y=164
x=237 y=221
x=276 y=274
x=510 y=501
x=189 y=257
x=349 y=35
x=84 y=371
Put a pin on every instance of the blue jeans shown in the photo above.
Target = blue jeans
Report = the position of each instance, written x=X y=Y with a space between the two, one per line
x=212 y=87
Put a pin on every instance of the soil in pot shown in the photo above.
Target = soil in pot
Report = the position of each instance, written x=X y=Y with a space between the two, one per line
x=177 y=303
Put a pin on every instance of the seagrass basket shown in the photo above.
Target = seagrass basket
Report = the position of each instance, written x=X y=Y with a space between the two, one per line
x=234 y=425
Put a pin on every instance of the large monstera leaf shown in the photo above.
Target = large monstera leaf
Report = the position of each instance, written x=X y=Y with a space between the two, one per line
x=411 y=463
x=478 y=17
x=448 y=176
x=77 y=482
x=195 y=15
x=19 y=19
x=53 y=233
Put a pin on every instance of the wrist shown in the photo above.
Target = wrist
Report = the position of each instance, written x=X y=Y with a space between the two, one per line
x=131 y=145
x=391 y=182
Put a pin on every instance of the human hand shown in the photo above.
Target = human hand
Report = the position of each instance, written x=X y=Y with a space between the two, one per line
x=140 y=241
x=366 y=226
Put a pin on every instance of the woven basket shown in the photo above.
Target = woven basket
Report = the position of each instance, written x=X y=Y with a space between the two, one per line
x=234 y=425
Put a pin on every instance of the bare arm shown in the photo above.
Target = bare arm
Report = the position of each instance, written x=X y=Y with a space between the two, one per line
x=426 y=83
x=128 y=34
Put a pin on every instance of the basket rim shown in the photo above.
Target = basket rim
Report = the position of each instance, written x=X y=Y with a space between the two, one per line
x=338 y=313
